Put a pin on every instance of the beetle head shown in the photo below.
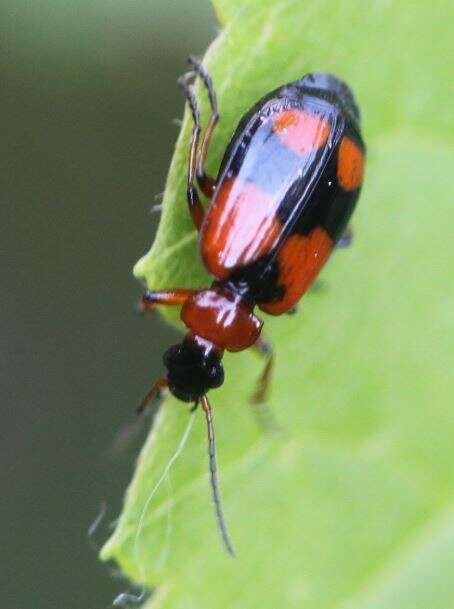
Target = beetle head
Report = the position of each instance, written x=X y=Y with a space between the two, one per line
x=193 y=367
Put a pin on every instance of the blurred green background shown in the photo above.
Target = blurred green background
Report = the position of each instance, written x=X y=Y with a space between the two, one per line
x=88 y=98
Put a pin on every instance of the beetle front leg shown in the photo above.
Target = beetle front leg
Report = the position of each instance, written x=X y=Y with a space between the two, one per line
x=166 y=297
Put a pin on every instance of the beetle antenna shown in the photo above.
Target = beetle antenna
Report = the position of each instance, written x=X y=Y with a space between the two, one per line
x=214 y=477
x=154 y=391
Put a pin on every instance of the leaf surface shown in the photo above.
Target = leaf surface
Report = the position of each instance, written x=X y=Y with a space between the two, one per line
x=351 y=505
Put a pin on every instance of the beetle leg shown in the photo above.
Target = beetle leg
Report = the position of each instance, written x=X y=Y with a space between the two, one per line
x=346 y=239
x=206 y=184
x=292 y=311
x=266 y=351
x=263 y=414
x=167 y=297
x=318 y=286
x=195 y=206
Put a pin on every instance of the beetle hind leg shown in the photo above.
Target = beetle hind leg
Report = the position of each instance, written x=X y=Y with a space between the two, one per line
x=206 y=183
x=195 y=206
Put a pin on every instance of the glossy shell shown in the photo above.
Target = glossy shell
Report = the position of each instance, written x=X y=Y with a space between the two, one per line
x=286 y=188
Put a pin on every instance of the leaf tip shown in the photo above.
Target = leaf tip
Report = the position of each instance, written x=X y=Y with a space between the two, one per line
x=139 y=268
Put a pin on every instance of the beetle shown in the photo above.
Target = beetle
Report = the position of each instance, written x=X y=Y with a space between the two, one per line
x=286 y=188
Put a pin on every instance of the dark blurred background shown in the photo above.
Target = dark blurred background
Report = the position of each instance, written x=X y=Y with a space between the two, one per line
x=88 y=97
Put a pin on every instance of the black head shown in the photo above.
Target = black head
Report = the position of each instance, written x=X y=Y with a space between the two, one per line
x=193 y=367
x=329 y=86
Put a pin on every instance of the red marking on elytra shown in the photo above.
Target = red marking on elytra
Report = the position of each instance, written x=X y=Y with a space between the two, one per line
x=350 y=165
x=269 y=212
x=300 y=261
x=301 y=131
x=239 y=227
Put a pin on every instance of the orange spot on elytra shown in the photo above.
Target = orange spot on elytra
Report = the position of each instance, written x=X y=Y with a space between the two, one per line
x=350 y=165
x=300 y=261
x=239 y=227
x=300 y=131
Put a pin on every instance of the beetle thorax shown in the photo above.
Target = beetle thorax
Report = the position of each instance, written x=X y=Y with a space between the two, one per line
x=223 y=318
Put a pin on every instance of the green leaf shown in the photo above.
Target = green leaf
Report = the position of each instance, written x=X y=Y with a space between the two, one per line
x=352 y=505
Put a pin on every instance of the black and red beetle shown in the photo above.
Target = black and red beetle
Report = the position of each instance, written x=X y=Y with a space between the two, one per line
x=286 y=188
